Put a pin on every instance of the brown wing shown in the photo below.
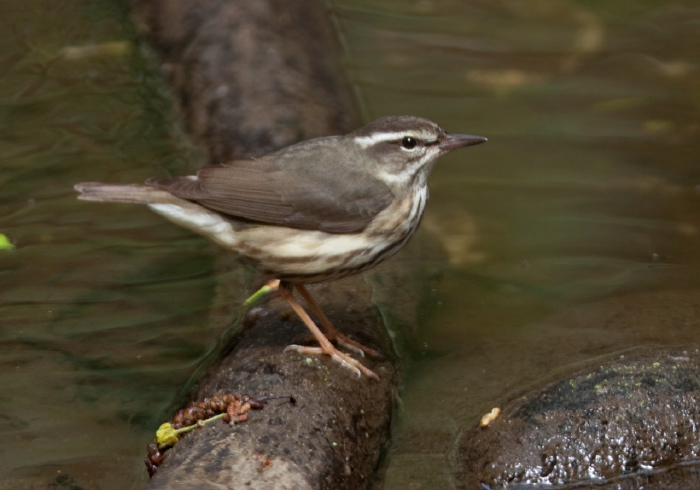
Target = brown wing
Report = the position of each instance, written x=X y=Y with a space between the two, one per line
x=284 y=190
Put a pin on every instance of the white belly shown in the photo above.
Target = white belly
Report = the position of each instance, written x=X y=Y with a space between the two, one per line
x=287 y=253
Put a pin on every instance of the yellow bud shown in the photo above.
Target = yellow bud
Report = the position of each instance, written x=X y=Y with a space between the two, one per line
x=166 y=435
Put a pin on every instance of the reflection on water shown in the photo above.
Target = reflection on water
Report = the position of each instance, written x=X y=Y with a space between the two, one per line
x=101 y=321
x=586 y=191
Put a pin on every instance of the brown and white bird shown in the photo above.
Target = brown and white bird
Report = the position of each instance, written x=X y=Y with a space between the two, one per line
x=315 y=211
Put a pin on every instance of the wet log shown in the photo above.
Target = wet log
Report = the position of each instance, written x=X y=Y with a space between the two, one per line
x=251 y=77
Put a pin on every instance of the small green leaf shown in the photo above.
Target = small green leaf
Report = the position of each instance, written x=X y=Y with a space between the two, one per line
x=5 y=243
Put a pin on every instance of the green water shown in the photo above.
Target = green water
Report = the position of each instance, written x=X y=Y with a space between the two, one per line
x=588 y=191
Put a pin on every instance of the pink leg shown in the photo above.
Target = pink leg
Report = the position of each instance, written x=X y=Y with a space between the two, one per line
x=331 y=332
x=326 y=347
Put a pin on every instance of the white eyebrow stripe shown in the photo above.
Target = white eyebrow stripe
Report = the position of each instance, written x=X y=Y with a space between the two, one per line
x=367 y=141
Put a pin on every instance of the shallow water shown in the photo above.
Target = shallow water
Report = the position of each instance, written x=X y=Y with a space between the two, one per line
x=588 y=189
x=581 y=210
x=101 y=325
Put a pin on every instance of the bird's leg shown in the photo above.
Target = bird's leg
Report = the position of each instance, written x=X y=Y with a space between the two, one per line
x=331 y=332
x=326 y=347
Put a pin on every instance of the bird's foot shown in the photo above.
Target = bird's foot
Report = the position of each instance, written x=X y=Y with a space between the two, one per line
x=331 y=332
x=345 y=360
x=325 y=345
x=347 y=343
x=353 y=345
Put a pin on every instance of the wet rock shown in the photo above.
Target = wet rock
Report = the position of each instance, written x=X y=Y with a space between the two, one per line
x=631 y=422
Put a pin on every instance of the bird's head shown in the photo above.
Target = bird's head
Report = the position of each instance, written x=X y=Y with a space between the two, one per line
x=403 y=149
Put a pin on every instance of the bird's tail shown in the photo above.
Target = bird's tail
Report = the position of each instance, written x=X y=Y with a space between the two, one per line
x=191 y=215
x=133 y=194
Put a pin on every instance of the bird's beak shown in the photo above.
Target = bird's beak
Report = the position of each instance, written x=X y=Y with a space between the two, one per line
x=454 y=141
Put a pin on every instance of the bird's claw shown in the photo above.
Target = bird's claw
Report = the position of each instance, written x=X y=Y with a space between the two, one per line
x=340 y=357
x=354 y=346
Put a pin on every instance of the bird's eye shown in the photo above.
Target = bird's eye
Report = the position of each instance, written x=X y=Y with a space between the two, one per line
x=408 y=143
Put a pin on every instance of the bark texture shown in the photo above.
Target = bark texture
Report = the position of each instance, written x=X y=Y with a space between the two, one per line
x=252 y=77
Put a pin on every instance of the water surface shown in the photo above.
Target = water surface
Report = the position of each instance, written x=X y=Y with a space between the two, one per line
x=588 y=190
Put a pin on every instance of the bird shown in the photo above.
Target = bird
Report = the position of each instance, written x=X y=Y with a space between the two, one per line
x=312 y=212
